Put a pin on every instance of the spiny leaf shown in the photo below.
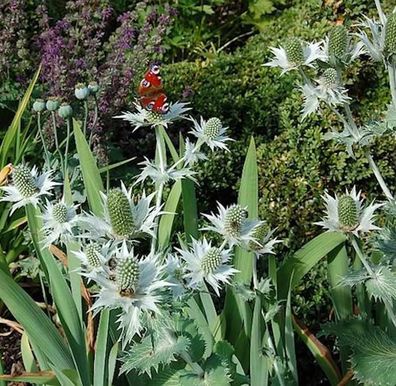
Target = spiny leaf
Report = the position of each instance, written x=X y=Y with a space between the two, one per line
x=382 y=286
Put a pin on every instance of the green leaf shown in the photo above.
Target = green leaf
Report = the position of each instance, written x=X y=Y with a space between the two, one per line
x=107 y=168
x=373 y=356
x=2 y=383
x=305 y=259
x=35 y=322
x=382 y=286
x=101 y=349
x=289 y=338
x=166 y=222
x=11 y=133
x=27 y=354
x=40 y=378
x=91 y=175
x=112 y=363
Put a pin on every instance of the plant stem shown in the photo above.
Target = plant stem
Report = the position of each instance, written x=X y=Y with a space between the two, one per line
x=255 y=281
x=361 y=256
x=68 y=123
x=85 y=117
x=56 y=139
x=46 y=153
x=195 y=366
x=378 y=175
x=94 y=121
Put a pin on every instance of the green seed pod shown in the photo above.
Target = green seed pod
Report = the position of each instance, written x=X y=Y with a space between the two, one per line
x=52 y=103
x=120 y=213
x=38 y=105
x=212 y=128
x=211 y=261
x=390 y=35
x=127 y=274
x=329 y=77
x=338 y=41
x=81 y=91
x=347 y=212
x=59 y=212
x=24 y=181
x=65 y=110
x=234 y=218
x=294 y=51
x=93 y=87
x=92 y=252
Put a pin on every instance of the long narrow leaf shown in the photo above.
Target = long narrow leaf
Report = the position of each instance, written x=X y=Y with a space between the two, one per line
x=101 y=350
x=27 y=354
x=39 y=378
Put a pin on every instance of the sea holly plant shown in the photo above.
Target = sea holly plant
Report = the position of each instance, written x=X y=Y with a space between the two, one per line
x=366 y=328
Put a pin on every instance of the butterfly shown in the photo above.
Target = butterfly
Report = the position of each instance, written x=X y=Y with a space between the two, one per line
x=151 y=91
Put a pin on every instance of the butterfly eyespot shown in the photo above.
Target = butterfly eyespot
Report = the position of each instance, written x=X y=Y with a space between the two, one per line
x=145 y=83
x=150 y=106
x=165 y=108
x=155 y=69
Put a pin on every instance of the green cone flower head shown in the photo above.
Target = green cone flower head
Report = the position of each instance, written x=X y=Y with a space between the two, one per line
x=211 y=261
x=127 y=274
x=212 y=128
x=24 y=181
x=390 y=35
x=59 y=211
x=38 y=105
x=338 y=41
x=347 y=212
x=258 y=235
x=234 y=218
x=294 y=51
x=120 y=213
x=92 y=252
x=52 y=103
x=329 y=78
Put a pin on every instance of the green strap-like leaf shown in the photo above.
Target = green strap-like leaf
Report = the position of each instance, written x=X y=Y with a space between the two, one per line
x=39 y=378
x=101 y=350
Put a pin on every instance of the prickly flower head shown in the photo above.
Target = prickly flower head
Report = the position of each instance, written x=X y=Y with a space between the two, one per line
x=338 y=41
x=263 y=242
x=27 y=187
x=347 y=213
x=390 y=35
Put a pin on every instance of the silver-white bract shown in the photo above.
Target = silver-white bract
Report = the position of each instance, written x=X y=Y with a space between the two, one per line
x=143 y=214
x=161 y=174
x=43 y=183
x=245 y=235
x=146 y=297
x=192 y=154
x=174 y=270
x=144 y=117
x=196 y=276
x=365 y=214
x=373 y=45
x=266 y=244
x=352 y=52
x=311 y=52
x=59 y=231
x=313 y=95
x=219 y=141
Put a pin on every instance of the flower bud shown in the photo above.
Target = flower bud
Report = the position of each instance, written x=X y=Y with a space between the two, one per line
x=212 y=128
x=52 y=103
x=258 y=235
x=338 y=41
x=211 y=261
x=92 y=252
x=24 y=181
x=65 y=111
x=59 y=212
x=38 y=105
x=294 y=51
x=93 y=87
x=81 y=91
x=390 y=35
x=127 y=274
x=329 y=78
x=347 y=212
x=120 y=213
x=234 y=218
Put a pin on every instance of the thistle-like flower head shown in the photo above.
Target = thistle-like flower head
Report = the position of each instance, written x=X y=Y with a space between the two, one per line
x=143 y=117
x=348 y=214
x=211 y=132
x=59 y=221
x=294 y=54
x=205 y=263
x=263 y=242
x=232 y=223
x=27 y=187
x=135 y=287
x=373 y=43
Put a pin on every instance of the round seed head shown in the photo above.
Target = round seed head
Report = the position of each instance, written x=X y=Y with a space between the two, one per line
x=390 y=35
x=234 y=218
x=24 y=181
x=52 y=103
x=347 y=212
x=212 y=128
x=294 y=51
x=338 y=41
x=211 y=261
x=127 y=274
x=81 y=91
x=92 y=252
x=93 y=87
x=38 y=105
x=59 y=212
x=65 y=111
x=329 y=77
x=120 y=213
